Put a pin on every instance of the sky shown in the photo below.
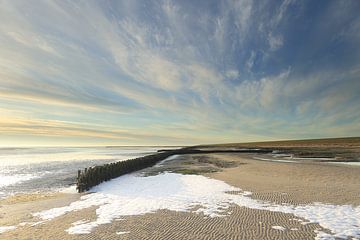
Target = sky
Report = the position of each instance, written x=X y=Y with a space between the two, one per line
x=183 y=72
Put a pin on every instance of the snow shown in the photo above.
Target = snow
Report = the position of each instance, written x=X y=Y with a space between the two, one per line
x=280 y=228
x=273 y=160
x=6 y=228
x=323 y=236
x=347 y=163
x=71 y=189
x=135 y=195
x=313 y=158
x=79 y=231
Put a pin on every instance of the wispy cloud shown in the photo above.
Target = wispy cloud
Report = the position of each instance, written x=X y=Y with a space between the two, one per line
x=179 y=72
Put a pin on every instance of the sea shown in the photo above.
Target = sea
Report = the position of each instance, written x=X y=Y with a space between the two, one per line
x=47 y=169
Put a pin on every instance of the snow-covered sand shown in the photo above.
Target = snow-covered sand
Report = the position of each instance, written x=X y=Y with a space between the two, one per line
x=6 y=228
x=44 y=169
x=134 y=195
x=273 y=160
x=348 y=163
x=280 y=228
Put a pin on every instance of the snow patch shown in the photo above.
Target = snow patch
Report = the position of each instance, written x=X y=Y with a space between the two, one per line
x=6 y=228
x=70 y=190
x=274 y=160
x=135 y=195
x=280 y=228
x=37 y=223
x=347 y=163
x=76 y=230
x=323 y=236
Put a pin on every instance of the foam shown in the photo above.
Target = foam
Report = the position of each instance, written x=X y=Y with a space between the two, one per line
x=21 y=156
x=7 y=180
x=134 y=195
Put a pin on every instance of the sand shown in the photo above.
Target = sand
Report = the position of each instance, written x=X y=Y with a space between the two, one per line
x=295 y=183
x=277 y=182
x=329 y=143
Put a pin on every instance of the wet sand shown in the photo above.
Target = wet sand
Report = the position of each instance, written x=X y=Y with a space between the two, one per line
x=273 y=181
x=295 y=183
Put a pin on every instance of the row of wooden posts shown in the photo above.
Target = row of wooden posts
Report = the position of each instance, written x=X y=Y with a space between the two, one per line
x=93 y=176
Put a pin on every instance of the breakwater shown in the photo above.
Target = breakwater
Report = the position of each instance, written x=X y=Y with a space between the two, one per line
x=92 y=176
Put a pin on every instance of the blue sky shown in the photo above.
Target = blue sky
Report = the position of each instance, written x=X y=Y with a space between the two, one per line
x=177 y=72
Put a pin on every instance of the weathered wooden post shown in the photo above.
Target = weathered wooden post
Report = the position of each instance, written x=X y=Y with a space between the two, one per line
x=93 y=176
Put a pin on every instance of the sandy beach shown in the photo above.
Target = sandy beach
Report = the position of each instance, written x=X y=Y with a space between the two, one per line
x=170 y=119
x=295 y=183
x=276 y=182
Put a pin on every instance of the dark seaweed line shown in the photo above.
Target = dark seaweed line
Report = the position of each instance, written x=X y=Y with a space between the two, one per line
x=93 y=176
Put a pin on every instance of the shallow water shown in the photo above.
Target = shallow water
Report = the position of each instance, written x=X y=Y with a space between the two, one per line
x=46 y=169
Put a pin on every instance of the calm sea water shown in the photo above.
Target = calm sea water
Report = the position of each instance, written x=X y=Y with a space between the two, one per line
x=49 y=169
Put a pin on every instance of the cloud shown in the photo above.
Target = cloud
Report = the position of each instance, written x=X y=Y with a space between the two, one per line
x=27 y=126
x=233 y=74
x=275 y=42
x=281 y=11
x=250 y=62
x=168 y=68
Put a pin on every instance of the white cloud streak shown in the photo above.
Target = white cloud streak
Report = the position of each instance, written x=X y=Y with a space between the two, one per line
x=160 y=60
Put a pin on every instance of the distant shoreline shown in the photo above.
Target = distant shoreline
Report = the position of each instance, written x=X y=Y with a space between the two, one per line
x=293 y=142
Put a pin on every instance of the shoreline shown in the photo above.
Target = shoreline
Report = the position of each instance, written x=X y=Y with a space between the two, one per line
x=266 y=185
x=325 y=182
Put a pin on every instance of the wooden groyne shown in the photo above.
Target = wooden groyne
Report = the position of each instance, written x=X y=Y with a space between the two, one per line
x=92 y=176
